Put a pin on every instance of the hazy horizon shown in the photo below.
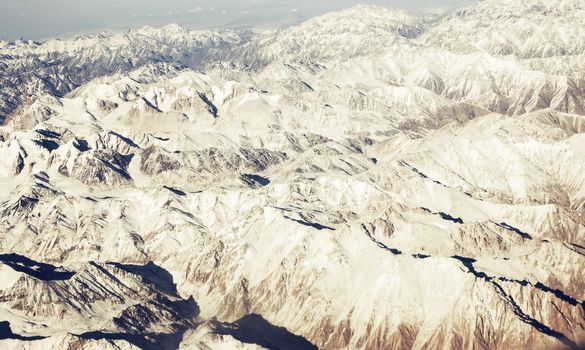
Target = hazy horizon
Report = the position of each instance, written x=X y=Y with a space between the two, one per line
x=41 y=19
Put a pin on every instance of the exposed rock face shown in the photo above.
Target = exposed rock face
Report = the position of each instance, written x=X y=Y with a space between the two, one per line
x=369 y=179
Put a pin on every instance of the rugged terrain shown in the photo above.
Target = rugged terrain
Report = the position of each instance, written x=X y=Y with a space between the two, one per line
x=368 y=179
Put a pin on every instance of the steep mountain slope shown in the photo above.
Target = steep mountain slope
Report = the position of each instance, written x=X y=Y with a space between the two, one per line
x=369 y=179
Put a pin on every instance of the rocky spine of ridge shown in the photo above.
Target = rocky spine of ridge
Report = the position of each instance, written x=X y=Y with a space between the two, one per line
x=416 y=189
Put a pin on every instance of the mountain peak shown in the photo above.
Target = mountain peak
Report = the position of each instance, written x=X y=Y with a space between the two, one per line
x=368 y=179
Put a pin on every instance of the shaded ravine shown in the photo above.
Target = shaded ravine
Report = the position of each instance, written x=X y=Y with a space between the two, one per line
x=41 y=271
x=539 y=326
x=254 y=329
x=559 y=294
x=6 y=333
x=470 y=268
x=536 y=324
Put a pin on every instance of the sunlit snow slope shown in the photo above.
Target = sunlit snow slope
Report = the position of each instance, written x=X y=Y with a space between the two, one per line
x=369 y=179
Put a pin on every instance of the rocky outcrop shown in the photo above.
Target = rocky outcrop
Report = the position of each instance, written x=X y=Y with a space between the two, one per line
x=370 y=179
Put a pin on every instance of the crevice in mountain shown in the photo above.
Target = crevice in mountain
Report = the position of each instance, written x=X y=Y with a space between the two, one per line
x=576 y=248
x=186 y=214
x=175 y=191
x=254 y=329
x=119 y=165
x=468 y=263
x=152 y=106
x=111 y=277
x=567 y=322
x=42 y=176
x=305 y=84
x=120 y=172
x=49 y=145
x=81 y=145
x=41 y=271
x=6 y=333
x=210 y=106
x=164 y=139
x=394 y=251
x=128 y=140
x=91 y=115
x=559 y=294
x=445 y=216
x=19 y=164
x=448 y=217
x=539 y=326
x=420 y=173
x=44 y=187
x=254 y=181
x=424 y=176
x=421 y=256
x=145 y=341
x=48 y=133
x=380 y=244
x=514 y=229
x=151 y=273
x=310 y=224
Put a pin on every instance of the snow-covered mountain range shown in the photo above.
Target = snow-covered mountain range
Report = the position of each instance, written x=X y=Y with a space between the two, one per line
x=368 y=179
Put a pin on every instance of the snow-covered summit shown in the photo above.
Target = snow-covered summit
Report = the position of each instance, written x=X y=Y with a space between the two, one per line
x=357 y=31
x=368 y=179
x=523 y=28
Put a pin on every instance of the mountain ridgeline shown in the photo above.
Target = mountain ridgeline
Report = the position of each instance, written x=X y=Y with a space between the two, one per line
x=368 y=179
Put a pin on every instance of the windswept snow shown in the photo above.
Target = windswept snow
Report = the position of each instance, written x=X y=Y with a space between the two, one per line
x=368 y=179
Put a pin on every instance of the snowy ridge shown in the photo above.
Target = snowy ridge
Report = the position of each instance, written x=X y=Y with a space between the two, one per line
x=358 y=31
x=408 y=190
x=523 y=28
x=59 y=66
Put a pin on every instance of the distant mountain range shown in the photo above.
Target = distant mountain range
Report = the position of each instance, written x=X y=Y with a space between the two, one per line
x=369 y=179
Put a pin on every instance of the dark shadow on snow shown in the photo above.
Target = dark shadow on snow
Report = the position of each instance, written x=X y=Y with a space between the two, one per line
x=48 y=133
x=515 y=230
x=147 y=341
x=448 y=217
x=125 y=139
x=310 y=224
x=81 y=145
x=152 y=274
x=42 y=271
x=254 y=180
x=254 y=329
x=175 y=191
x=49 y=145
x=6 y=333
